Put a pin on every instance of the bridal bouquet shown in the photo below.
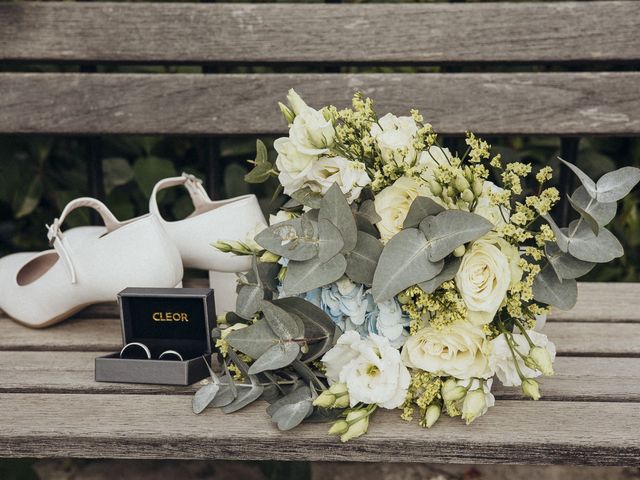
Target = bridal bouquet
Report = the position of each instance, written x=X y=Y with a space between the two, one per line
x=400 y=274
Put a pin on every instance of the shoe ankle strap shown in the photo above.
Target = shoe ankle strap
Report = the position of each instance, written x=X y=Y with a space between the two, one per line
x=54 y=232
x=193 y=184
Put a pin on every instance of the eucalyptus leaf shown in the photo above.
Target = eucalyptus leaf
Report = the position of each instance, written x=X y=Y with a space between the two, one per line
x=303 y=277
x=450 y=229
x=262 y=154
x=248 y=301
x=267 y=274
x=291 y=415
x=561 y=237
x=335 y=208
x=566 y=266
x=330 y=243
x=404 y=262
x=278 y=356
x=288 y=240
x=586 y=216
x=281 y=322
x=299 y=394
x=204 y=396
x=307 y=373
x=421 y=208
x=317 y=325
x=586 y=181
x=225 y=396
x=448 y=272
x=603 y=213
x=547 y=288
x=368 y=210
x=307 y=197
x=253 y=340
x=616 y=185
x=586 y=246
x=245 y=396
x=364 y=225
x=363 y=259
x=260 y=173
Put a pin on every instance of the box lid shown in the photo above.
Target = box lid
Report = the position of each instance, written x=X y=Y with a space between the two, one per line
x=178 y=319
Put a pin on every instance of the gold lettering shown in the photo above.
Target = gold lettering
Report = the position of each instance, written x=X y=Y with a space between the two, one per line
x=170 y=317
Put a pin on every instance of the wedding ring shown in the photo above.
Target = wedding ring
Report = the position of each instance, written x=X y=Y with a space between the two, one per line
x=169 y=354
x=140 y=349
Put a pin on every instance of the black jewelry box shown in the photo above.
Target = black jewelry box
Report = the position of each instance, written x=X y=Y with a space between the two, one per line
x=179 y=319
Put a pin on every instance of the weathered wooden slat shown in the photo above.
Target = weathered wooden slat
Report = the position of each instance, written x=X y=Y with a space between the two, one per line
x=163 y=426
x=577 y=378
x=104 y=335
x=397 y=33
x=229 y=104
x=597 y=302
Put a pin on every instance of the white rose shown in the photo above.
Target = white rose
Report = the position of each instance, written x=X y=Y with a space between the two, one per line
x=502 y=362
x=350 y=176
x=393 y=203
x=483 y=279
x=394 y=137
x=430 y=159
x=370 y=367
x=292 y=165
x=495 y=214
x=459 y=350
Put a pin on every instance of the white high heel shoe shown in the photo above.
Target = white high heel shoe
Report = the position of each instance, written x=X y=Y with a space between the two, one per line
x=90 y=266
x=232 y=219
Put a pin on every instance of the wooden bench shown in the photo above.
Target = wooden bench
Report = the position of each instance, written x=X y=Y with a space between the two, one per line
x=49 y=404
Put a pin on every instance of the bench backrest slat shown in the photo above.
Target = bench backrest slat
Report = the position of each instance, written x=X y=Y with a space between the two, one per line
x=316 y=33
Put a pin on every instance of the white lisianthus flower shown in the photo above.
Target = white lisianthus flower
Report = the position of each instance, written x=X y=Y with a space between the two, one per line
x=431 y=158
x=394 y=137
x=393 y=203
x=311 y=132
x=495 y=214
x=459 y=350
x=350 y=176
x=485 y=275
x=370 y=367
x=502 y=362
x=292 y=164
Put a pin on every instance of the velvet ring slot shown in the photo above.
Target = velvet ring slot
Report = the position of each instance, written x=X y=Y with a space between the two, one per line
x=176 y=320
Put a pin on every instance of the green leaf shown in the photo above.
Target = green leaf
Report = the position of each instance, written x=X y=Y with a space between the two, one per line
x=289 y=240
x=307 y=197
x=278 y=356
x=586 y=216
x=561 y=237
x=204 y=396
x=586 y=181
x=260 y=173
x=404 y=262
x=586 y=246
x=547 y=288
x=448 y=272
x=566 y=266
x=450 y=229
x=149 y=170
x=303 y=277
x=421 y=208
x=31 y=198
x=117 y=171
x=253 y=340
x=335 y=208
x=363 y=259
x=248 y=301
x=317 y=325
x=291 y=410
x=616 y=185
x=603 y=213
x=246 y=396
x=330 y=243
x=281 y=322
x=262 y=155
x=368 y=210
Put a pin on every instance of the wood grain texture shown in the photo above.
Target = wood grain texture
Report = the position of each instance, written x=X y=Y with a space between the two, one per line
x=372 y=34
x=576 y=379
x=603 y=302
x=230 y=104
x=163 y=426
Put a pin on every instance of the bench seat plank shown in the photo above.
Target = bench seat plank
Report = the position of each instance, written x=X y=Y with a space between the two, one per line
x=103 y=334
x=163 y=426
x=577 y=378
x=234 y=33
x=231 y=104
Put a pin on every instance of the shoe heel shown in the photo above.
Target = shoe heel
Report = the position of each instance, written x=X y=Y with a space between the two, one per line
x=224 y=287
